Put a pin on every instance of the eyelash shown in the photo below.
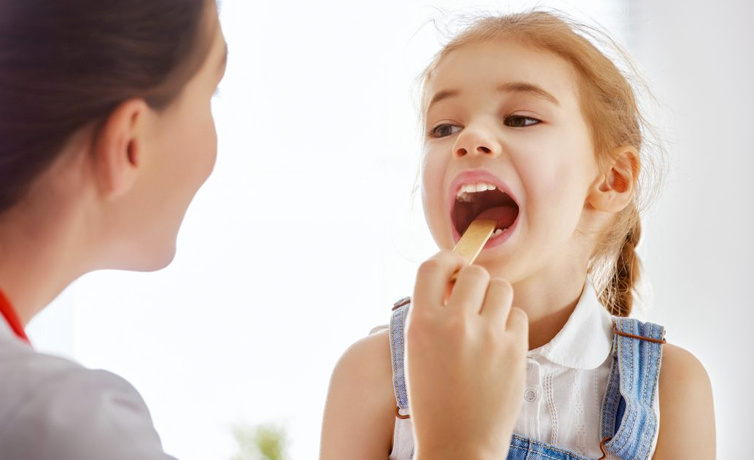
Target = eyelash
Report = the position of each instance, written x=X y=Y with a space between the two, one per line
x=523 y=118
x=527 y=121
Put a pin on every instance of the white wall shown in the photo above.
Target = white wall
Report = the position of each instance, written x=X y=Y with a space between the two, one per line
x=305 y=234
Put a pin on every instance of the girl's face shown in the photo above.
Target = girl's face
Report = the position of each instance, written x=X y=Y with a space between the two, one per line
x=505 y=139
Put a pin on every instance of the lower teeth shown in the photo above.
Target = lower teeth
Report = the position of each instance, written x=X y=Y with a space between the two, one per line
x=499 y=231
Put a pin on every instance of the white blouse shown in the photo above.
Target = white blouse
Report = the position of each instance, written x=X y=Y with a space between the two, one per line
x=52 y=408
x=566 y=380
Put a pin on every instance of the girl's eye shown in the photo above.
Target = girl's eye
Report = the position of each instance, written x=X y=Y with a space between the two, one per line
x=444 y=130
x=520 y=121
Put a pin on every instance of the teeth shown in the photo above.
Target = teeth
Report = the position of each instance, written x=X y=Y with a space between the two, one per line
x=498 y=231
x=467 y=189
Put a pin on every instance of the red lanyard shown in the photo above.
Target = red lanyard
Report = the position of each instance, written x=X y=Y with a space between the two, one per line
x=12 y=318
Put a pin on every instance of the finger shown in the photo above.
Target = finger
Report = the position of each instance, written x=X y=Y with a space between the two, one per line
x=432 y=279
x=470 y=289
x=498 y=301
x=518 y=324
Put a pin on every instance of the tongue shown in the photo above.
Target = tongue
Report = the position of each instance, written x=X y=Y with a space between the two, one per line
x=504 y=215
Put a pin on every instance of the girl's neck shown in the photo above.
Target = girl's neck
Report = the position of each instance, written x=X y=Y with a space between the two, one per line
x=548 y=308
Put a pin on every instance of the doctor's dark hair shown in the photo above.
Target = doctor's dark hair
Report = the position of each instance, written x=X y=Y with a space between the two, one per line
x=611 y=109
x=65 y=64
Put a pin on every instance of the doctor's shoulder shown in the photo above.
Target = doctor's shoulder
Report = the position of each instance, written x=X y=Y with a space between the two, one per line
x=687 y=416
x=51 y=407
x=360 y=411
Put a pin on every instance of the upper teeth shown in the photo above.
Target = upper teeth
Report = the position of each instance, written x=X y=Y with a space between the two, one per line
x=468 y=189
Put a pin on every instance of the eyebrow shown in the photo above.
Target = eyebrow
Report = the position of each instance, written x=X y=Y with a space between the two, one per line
x=522 y=87
x=441 y=95
x=513 y=87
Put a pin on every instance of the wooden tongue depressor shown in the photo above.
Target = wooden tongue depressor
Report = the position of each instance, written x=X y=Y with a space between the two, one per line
x=474 y=239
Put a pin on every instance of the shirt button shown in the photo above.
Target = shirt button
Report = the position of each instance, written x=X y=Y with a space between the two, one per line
x=530 y=395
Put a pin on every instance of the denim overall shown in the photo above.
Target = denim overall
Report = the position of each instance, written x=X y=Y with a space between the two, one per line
x=628 y=423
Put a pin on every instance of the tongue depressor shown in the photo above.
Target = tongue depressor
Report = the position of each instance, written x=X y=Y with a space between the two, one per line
x=474 y=239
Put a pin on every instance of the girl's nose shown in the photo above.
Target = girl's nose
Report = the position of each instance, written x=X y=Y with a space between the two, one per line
x=476 y=143
x=479 y=149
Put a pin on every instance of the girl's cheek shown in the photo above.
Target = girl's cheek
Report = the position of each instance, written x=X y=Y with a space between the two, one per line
x=432 y=180
x=433 y=199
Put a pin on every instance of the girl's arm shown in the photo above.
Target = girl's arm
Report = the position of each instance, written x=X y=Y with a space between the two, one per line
x=687 y=415
x=360 y=410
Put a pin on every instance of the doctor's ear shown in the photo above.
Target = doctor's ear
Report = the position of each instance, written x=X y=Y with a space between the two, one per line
x=614 y=189
x=118 y=147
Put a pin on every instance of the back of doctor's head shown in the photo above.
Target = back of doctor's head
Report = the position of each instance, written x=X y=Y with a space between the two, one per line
x=610 y=106
x=67 y=63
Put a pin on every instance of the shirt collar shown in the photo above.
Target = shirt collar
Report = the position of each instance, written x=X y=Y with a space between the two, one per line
x=586 y=339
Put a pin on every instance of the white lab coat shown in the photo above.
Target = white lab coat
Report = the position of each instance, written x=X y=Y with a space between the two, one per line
x=55 y=409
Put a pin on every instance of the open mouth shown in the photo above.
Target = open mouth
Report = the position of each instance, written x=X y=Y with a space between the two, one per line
x=483 y=201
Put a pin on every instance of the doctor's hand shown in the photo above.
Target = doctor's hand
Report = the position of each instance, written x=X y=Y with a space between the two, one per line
x=466 y=359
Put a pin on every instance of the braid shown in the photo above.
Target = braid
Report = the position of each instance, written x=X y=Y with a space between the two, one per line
x=618 y=295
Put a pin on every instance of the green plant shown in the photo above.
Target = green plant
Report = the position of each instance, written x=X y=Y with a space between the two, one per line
x=266 y=441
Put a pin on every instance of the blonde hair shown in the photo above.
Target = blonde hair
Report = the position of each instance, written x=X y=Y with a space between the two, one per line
x=611 y=110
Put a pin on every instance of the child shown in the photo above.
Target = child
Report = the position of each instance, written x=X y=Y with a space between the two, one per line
x=529 y=124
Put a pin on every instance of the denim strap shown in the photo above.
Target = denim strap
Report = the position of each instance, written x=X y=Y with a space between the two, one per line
x=628 y=417
x=397 y=348
x=522 y=448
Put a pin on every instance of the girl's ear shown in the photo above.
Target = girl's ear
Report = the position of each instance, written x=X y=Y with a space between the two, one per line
x=613 y=190
x=118 y=147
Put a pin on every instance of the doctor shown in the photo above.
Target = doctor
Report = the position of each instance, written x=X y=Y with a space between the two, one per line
x=106 y=133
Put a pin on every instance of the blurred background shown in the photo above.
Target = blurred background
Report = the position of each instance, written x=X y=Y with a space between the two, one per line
x=309 y=228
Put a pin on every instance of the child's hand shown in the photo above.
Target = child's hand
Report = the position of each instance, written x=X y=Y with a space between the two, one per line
x=466 y=361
